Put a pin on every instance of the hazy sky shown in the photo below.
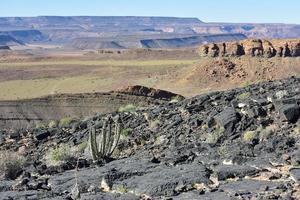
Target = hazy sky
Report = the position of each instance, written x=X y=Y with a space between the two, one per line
x=282 y=11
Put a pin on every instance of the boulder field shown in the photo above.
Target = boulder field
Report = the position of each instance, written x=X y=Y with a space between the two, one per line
x=242 y=143
x=253 y=47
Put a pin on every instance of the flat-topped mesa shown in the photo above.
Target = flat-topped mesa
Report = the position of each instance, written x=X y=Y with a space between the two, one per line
x=253 y=47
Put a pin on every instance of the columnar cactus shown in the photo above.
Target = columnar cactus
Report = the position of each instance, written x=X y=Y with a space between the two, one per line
x=107 y=140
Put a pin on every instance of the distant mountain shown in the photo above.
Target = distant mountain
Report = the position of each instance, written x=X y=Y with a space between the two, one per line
x=110 y=31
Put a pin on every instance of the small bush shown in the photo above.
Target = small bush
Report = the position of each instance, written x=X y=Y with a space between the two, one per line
x=60 y=154
x=246 y=84
x=52 y=124
x=11 y=164
x=265 y=133
x=154 y=125
x=123 y=189
x=126 y=132
x=40 y=125
x=176 y=99
x=244 y=95
x=66 y=122
x=81 y=148
x=223 y=151
x=249 y=136
x=215 y=137
x=127 y=108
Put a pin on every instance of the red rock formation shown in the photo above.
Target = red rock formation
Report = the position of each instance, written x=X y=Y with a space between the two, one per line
x=253 y=47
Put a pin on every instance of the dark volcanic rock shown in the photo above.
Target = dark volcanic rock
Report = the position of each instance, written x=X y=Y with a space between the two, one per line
x=212 y=146
x=290 y=112
x=234 y=171
x=227 y=118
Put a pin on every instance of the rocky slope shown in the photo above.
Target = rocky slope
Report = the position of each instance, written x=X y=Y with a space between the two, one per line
x=31 y=112
x=237 y=144
x=253 y=47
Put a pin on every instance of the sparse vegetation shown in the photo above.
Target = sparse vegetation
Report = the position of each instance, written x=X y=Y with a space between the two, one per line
x=126 y=132
x=81 y=148
x=223 y=150
x=244 y=95
x=176 y=99
x=215 y=137
x=60 y=154
x=128 y=108
x=246 y=84
x=40 y=125
x=66 y=122
x=265 y=133
x=52 y=124
x=249 y=136
x=123 y=189
x=11 y=164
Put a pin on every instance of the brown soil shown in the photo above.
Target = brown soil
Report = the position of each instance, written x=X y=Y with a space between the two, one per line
x=211 y=74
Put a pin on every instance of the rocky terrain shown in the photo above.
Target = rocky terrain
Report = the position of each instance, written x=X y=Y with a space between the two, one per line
x=253 y=47
x=236 y=144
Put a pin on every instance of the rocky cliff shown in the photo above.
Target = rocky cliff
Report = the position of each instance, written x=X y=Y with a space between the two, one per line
x=253 y=47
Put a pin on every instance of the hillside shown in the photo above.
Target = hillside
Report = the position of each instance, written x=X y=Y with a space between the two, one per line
x=31 y=112
x=236 y=144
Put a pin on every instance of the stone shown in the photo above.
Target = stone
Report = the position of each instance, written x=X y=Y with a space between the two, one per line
x=42 y=134
x=290 y=112
x=227 y=118
x=224 y=172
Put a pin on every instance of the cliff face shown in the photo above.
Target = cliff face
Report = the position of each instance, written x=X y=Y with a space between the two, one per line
x=253 y=47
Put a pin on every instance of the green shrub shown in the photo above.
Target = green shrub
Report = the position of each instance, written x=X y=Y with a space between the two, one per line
x=176 y=99
x=246 y=84
x=66 y=122
x=244 y=95
x=222 y=150
x=81 y=148
x=52 y=124
x=60 y=154
x=215 y=137
x=11 y=164
x=249 y=136
x=123 y=189
x=265 y=133
x=126 y=132
x=40 y=125
x=128 y=108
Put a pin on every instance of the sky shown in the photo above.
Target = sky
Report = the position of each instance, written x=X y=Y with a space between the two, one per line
x=255 y=11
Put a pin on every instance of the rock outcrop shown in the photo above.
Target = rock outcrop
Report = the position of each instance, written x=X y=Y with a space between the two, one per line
x=139 y=90
x=253 y=47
